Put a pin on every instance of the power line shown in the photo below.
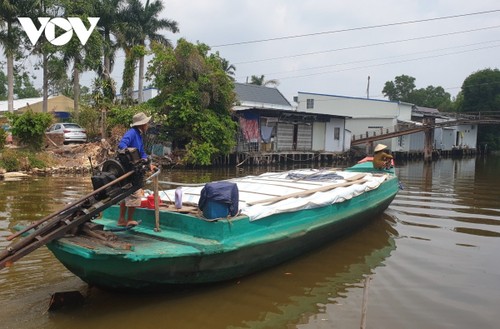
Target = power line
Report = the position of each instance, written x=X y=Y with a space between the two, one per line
x=395 y=62
x=384 y=58
x=387 y=63
x=367 y=45
x=356 y=28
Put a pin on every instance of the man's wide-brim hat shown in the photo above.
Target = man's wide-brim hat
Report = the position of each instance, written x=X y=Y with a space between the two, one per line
x=140 y=119
x=380 y=147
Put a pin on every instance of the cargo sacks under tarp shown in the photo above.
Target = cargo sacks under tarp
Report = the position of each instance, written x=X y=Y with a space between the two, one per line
x=219 y=199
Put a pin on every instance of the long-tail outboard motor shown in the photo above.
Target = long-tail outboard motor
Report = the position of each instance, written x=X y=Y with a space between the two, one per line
x=127 y=160
x=117 y=179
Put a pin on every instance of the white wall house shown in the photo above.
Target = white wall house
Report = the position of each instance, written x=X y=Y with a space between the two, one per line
x=263 y=109
x=362 y=115
x=368 y=117
x=329 y=136
x=461 y=136
x=466 y=136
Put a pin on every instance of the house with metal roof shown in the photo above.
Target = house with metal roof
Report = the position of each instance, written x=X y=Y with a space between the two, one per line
x=269 y=123
x=60 y=106
x=373 y=117
x=364 y=116
x=446 y=138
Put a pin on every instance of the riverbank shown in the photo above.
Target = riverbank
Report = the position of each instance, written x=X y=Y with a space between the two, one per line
x=71 y=159
x=17 y=162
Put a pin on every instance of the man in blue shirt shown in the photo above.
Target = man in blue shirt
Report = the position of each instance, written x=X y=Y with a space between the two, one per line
x=133 y=138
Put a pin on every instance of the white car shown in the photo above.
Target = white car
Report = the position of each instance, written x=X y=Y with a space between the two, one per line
x=72 y=132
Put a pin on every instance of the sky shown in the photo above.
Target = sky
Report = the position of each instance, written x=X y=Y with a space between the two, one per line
x=348 y=48
x=437 y=52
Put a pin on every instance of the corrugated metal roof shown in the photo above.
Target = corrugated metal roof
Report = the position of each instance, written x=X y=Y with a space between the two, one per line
x=248 y=93
x=18 y=103
x=23 y=102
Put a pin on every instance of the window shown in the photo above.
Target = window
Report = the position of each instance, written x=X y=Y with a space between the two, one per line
x=336 y=133
x=310 y=103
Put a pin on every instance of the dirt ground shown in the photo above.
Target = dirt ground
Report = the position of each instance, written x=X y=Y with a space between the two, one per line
x=77 y=155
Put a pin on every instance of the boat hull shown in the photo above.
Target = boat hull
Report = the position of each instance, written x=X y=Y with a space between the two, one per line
x=221 y=250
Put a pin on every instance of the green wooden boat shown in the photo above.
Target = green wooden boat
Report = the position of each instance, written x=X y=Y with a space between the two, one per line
x=294 y=215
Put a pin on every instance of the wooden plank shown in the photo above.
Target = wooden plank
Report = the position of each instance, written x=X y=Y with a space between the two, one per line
x=284 y=180
x=308 y=192
x=157 y=204
x=356 y=177
x=278 y=185
x=255 y=192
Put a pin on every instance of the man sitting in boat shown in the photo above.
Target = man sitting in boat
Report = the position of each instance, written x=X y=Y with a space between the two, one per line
x=381 y=159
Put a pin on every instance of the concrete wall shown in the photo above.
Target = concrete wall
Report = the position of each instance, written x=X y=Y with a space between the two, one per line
x=363 y=115
x=334 y=135
x=417 y=142
x=347 y=106
x=466 y=136
x=319 y=132
x=448 y=139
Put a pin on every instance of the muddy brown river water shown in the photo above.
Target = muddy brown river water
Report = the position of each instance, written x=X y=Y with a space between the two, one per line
x=432 y=258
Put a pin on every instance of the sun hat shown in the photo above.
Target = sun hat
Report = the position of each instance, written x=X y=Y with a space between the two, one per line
x=380 y=147
x=140 y=119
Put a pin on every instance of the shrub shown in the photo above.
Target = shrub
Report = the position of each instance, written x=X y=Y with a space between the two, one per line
x=30 y=128
x=3 y=137
x=90 y=119
x=16 y=160
x=9 y=163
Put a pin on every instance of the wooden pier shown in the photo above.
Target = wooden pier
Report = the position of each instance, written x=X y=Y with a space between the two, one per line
x=428 y=126
x=292 y=157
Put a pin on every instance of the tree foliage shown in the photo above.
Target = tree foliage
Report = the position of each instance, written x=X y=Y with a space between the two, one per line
x=195 y=100
x=3 y=86
x=403 y=89
x=87 y=57
x=23 y=87
x=227 y=67
x=90 y=119
x=30 y=127
x=481 y=91
x=261 y=81
x=142 y=23
x=399 y=89
x=3 y=137
x=11 y=36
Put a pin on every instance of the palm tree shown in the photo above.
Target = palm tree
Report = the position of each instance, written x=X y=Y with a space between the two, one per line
x=143 y=24
x=7 y=12
x=46 y=50
x=228 y=68
x=110 y=14
x=83 y=57
x=260 y=81
x=10 y=40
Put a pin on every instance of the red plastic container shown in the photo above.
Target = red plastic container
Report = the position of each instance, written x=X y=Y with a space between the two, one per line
x=149 y=202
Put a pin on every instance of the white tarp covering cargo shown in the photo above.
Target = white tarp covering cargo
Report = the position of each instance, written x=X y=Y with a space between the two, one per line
x=272 y=193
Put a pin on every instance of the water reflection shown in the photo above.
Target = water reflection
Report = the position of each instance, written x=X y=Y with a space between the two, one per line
x=432 y=256
x=274 y=298
x=455 y=192
x=277 y=298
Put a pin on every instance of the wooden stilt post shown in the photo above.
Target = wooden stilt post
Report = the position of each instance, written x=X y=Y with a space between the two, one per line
x=429 y=139
x=369 y=148
x=364 y=303
x=157 y=204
